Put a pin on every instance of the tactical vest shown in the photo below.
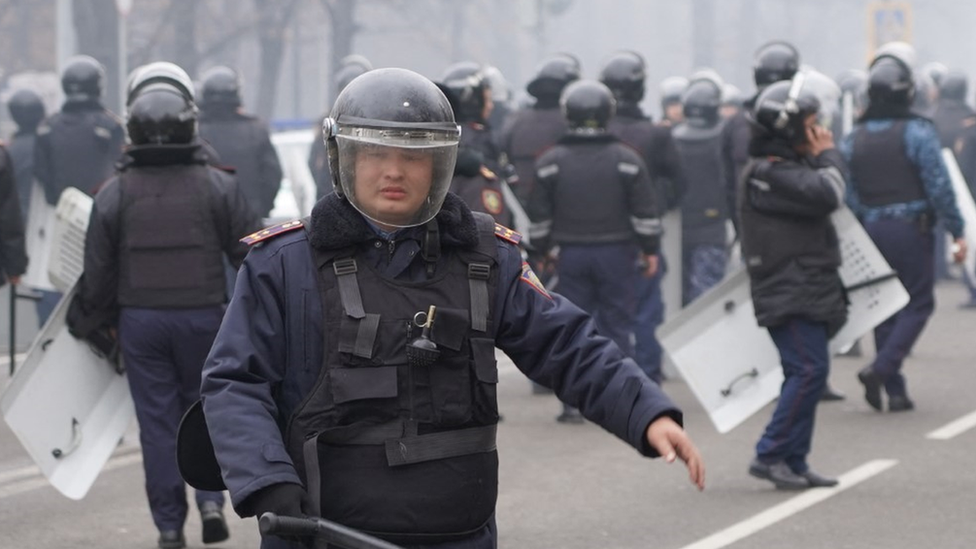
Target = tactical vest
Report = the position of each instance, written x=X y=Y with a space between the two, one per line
x=404 y=448
x=170 y=253
x=704 y=207
x=880 y=166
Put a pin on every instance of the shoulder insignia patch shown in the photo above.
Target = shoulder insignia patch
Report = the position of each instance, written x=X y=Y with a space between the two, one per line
x=274 y=230
x=528 y=276
x=507 y=234
x=492 y=200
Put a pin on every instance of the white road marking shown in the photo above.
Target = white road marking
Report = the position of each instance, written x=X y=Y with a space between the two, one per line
x=791 y=507
x=955 y=428
x=27 y=479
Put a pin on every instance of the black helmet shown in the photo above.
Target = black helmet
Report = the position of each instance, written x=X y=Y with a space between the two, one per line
x=392 y=115
x=468 y=83
x=82 y=79
x=701 y=102
x=587 y=105
x=782 y=108
x=553 y=75
x=161 y=114
x=221 y=86
x=890 y=82
x=160 y=71
x=27 y=109
x=954 y=86
x=347 y=74
x=624 y=73
x=775 y=61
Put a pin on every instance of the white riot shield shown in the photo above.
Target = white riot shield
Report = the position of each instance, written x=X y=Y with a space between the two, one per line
x=40 y=226
x=68 y=406
x=732 y=365
x=67 y=259
x=967 y=209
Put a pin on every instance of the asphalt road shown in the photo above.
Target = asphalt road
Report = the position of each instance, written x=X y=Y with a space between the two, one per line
x=907 y=479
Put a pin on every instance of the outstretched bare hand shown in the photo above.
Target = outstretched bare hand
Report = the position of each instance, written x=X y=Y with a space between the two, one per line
x=671 y=441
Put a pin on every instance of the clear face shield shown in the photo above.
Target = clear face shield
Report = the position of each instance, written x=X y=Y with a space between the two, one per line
x=395 y=174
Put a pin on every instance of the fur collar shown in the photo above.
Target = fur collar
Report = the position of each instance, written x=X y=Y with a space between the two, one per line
x=336 y=224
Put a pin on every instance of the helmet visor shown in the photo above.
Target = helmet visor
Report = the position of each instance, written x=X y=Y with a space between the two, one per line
x=397 y=176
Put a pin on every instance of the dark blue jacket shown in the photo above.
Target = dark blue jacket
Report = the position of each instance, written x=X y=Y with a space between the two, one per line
x=268 y=353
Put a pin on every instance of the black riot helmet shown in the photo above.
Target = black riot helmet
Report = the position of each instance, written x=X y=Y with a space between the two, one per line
x=701 y=102
x=390 y=116
x=221 y=86
x=468 y=83
x=27 y=109
x=553 y=75
x=775 y=61
x=161 y=114
x=624 y=73
x=782 y=108
x=587 y=106
x=159 y=72
x=954 y=86
x=890 y=82
x=82 y=79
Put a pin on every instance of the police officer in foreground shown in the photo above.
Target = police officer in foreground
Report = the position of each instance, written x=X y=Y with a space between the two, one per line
x=534 y=129
x=625 y=73
x=78 y=146
x=594 y=199
x=354 y=374
x=154 y=274
x=899 y=185
x=242 y=140
x=791 y=185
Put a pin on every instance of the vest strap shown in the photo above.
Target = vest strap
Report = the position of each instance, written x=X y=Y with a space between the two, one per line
x=447 y=444
x=352 y=301
x=366 y=335
x=478 y=286
x=313 y=484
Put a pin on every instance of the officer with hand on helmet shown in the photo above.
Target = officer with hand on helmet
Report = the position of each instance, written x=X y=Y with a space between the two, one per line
x=154 y=274
x=242 y=140
x=354 y=375
x=791 y=185
x=594 y=199
x=899 y=186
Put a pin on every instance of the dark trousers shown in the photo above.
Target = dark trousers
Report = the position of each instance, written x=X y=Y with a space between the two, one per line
x=908 y=248
x=601 y=280
x=486 y=538
x=703 y=266
x=802 y=346
x=164 y=351
x=650 y=314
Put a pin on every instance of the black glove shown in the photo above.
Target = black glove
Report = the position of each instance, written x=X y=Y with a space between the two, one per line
x=286 y=499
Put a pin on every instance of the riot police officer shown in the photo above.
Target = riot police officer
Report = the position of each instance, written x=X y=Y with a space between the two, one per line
x=952 y=115
x=534 y=129
x=790 y=248
x=671 y=89
x=78 y=146
x=27 y=110
x=242 y=140
x=625 y=74
x=595 y=200
x=898 y=186
x=471 y=89
x=416 y=292
x=710 y=188
x=154 y=271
